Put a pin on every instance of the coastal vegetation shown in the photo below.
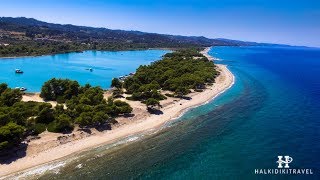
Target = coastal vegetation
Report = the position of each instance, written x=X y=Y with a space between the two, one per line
x=179 y=72
x=38 y=47
x=84 y=106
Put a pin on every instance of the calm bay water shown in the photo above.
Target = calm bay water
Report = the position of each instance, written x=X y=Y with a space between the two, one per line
x=105 y=64
x=272 y=109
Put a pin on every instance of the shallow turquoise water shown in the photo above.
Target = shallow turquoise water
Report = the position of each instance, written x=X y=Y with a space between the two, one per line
x=105 y=64
x=272 y=109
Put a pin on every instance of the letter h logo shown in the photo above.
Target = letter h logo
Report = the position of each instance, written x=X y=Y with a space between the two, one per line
x=286 y=161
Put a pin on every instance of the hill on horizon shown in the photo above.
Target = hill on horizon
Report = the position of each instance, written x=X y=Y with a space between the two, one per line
x=28 y=36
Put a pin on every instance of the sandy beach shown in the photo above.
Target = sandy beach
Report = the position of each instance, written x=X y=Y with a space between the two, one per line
x=205 y=53
x=53 y=146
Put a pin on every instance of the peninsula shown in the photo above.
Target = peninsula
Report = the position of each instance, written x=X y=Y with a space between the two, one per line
x=149 y=110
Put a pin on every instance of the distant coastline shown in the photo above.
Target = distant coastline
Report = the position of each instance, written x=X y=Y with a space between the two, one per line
x=48 y=148
x=53 y=54
x=26 y=36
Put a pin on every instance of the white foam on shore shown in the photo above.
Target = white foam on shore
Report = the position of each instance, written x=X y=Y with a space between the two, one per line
x=53 y=167
x=127 y=140
x=121 y=141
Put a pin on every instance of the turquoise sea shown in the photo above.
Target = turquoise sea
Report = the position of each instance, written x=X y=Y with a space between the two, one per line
x=272 y=109
x=105 y=64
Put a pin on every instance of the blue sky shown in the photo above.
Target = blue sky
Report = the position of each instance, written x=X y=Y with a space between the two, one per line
x=294 y=22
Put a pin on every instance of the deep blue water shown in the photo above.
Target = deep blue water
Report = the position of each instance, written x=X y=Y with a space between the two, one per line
x=272 y=109
x=105 y=64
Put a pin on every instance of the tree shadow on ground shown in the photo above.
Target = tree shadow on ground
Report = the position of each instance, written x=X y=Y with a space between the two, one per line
x=103 y=127
x=86 y=130
x=119 y=96
x=186 y=98
x=128 y=115
x=67 y=131
x=155 y=111
x=10 y=155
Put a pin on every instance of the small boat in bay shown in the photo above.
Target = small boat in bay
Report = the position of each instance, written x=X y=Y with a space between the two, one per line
x=18 y=71
x=21 y=88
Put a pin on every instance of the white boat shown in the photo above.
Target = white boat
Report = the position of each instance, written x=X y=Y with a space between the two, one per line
x=18 y=71
x=23 y=89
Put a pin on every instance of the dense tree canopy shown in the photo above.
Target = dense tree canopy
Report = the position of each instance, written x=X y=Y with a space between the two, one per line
x=10 y=96
x=116 y=83
x=84 y=105
x=152 y=103
x=59 y=90
x=10 y=134
x=178 y=72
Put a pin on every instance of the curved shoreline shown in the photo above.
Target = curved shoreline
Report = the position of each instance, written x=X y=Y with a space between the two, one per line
x=173 y=110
